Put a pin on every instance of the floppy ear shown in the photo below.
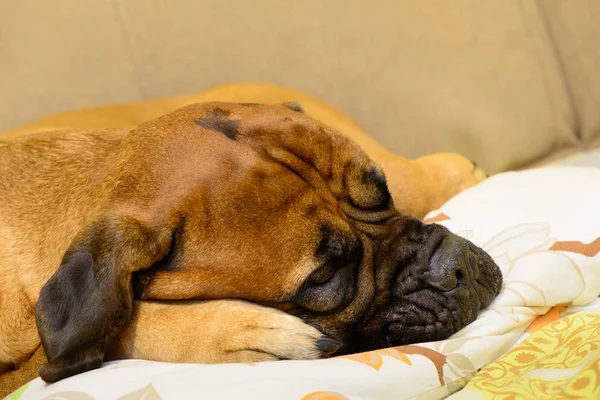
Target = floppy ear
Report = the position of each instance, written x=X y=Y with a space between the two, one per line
x=89 y=300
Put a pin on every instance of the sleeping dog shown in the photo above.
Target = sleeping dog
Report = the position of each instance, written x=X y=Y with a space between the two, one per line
x=259 y=204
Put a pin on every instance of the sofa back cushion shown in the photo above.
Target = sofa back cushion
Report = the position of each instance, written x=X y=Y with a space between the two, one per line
x=576 y=32
x=479 y=78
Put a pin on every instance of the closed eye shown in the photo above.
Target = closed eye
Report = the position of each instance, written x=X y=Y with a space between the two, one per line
x=368 y=191
x=322 y=275
x=332 y=284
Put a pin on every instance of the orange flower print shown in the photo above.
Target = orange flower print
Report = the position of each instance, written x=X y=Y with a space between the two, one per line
x=374 y=359
x=324 y=395
x=437 y=218
x=553 y=315
x=370 y=358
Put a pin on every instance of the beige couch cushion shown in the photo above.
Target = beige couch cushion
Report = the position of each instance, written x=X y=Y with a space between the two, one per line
x=473 y=77
x=59 y=55
x=575 y=28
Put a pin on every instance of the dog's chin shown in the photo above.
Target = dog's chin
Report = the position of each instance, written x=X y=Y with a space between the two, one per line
x=419 y=313
x=428 y=315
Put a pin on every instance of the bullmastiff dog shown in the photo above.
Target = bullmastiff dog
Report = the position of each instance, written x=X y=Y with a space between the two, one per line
x=242 y=232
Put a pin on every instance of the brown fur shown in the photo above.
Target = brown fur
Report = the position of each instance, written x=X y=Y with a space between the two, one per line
x=96 y=189
x=418 y=186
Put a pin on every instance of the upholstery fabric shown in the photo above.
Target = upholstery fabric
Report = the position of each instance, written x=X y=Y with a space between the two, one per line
x=479 y=78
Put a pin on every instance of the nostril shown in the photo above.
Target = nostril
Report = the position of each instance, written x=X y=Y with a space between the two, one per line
x=452 y=265
x=460 y=277
x=474 y=265
x=448 y=280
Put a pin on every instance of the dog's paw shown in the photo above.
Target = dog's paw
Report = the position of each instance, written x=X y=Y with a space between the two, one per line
x=217 y=331
x=448 y=174
x=257 y=333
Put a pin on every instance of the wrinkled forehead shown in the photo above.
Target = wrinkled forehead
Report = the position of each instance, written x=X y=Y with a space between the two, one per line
x=324 y=158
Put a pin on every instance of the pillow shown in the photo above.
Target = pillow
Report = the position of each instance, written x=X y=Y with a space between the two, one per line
x=556 y=358
x=541 y=226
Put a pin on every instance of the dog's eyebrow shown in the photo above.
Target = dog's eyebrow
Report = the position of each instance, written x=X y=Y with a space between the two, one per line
x=217 y=121
x=220 y=112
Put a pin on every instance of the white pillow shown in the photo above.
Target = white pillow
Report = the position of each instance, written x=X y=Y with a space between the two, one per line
x=541 y=226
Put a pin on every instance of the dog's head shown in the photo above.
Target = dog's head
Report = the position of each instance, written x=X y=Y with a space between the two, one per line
x=262 y=203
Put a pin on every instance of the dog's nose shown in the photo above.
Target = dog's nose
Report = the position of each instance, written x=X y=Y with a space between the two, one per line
x=449 y=266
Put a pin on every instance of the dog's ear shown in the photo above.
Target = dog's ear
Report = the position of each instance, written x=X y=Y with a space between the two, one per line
x=294 y=106
x=89 y=300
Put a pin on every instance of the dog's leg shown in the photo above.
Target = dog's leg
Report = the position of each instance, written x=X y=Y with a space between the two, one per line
x=18 y=333
x=218 y=331
x=422 y=185
x=208 y=332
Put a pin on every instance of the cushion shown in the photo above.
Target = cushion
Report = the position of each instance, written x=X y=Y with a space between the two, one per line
x=557 y=358
x=575 y=32
x=541 y=226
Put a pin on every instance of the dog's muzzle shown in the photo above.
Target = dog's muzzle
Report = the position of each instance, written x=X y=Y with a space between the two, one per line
x=440 y=284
